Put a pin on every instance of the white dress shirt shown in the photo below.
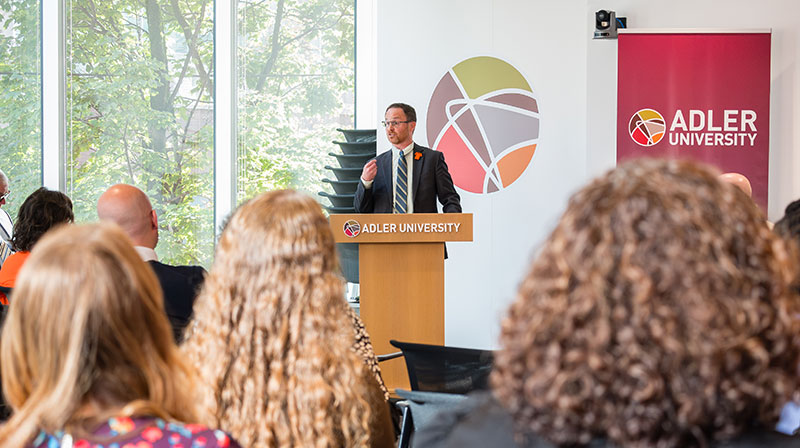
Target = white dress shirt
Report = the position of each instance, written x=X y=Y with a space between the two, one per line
x=146 y=253
x=407 y=153
x=6 y=226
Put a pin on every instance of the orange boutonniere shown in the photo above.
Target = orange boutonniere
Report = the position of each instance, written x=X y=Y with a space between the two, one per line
x=417 y=155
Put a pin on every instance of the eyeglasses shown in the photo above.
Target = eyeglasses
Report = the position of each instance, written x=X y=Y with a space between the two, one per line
x=5 y=196
x=389 y=124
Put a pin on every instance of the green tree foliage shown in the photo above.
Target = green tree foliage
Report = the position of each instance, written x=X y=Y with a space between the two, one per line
x=20 y=99
x=140 y=111
x=296 y=78
x=140 y=104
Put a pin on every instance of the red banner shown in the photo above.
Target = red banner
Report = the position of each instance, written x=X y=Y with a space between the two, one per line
x=702 y=96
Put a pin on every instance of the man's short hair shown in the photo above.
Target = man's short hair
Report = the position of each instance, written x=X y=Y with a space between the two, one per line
x=411 y=114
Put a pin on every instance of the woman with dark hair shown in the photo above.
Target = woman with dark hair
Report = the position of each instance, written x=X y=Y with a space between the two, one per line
x=87 y=356
x=41 y=211
x=658 y=313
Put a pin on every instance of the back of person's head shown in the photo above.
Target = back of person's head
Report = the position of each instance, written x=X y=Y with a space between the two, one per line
x=789 y=225
x=130 y=208
x=86 y=338
x=271 y=337
x=657 y=314
x=41 y=211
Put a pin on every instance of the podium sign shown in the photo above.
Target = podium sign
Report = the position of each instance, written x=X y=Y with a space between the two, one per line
x=401 y=270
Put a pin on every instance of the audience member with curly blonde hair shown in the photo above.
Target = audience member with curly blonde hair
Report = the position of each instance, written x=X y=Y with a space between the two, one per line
x=271 y=337
x=87 y=354
x=658 y=313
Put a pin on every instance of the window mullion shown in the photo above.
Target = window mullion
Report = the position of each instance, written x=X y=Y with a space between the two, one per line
x=53 y=94
x=224 y=110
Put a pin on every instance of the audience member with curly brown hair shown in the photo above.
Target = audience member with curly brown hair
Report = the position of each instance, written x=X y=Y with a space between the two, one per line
x=271 y=337
x=41 y=211
x=658 y=313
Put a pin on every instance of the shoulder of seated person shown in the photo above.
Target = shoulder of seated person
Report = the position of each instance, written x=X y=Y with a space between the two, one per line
x=178 y=266
x=760 y=438
x=477 y=421
x=481 y=421
x=186 y=271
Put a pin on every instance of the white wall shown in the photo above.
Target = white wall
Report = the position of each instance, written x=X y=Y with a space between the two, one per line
x=782 y=16
x=418 y=41
x=574 y=78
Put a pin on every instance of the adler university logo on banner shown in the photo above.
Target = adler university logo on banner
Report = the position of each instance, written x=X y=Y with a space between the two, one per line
x=704 y=97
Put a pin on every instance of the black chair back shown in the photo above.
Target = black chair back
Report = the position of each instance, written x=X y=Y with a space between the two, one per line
x=452 y=370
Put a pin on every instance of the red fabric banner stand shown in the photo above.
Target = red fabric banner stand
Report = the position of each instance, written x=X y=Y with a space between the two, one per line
x=701 y=96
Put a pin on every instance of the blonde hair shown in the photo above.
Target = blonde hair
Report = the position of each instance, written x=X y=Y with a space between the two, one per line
x=271 y=338
x=86 y=338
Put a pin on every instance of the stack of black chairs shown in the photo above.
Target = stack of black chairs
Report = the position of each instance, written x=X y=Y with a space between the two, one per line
x=358 y=147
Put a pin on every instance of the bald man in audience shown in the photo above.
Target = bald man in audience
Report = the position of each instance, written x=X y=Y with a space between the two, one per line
x=130 y=208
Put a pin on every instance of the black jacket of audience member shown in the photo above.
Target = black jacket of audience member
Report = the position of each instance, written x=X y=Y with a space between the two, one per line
x=180 y=285
x=482 y=422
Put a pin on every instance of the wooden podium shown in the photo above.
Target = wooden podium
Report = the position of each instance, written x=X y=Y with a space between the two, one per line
x=401 y=277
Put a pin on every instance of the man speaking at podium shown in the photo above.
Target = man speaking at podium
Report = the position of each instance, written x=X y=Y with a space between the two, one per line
x=385 y=180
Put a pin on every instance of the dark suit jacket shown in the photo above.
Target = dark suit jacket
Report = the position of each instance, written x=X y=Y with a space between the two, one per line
x=431 y=181
x=180 y=285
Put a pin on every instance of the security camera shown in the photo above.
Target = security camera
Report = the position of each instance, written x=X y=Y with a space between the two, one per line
x=606 y=24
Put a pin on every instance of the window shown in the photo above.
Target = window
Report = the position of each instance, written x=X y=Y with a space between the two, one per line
x=20 y=99
x=295 y=63
x=140 y=111
x=138 y=84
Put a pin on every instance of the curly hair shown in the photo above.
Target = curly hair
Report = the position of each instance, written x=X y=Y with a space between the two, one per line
x=271 y=338
x=658 y=313
x=86 y=339
x=41 y=211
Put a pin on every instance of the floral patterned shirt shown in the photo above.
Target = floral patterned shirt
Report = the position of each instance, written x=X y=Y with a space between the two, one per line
x=144 y=432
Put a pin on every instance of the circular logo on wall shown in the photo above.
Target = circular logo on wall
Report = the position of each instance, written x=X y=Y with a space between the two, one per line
x=484 y=116
x=646 y=127
x=352 y=228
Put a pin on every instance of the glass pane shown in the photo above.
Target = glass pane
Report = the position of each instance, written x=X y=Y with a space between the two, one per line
x=20 y=99
x=140 y=111
x=296 y=86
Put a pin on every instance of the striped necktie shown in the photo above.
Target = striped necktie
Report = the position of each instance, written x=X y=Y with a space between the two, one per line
x=401 y=192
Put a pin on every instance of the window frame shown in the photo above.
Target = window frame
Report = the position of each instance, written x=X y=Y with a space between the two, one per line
x=53 y=97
